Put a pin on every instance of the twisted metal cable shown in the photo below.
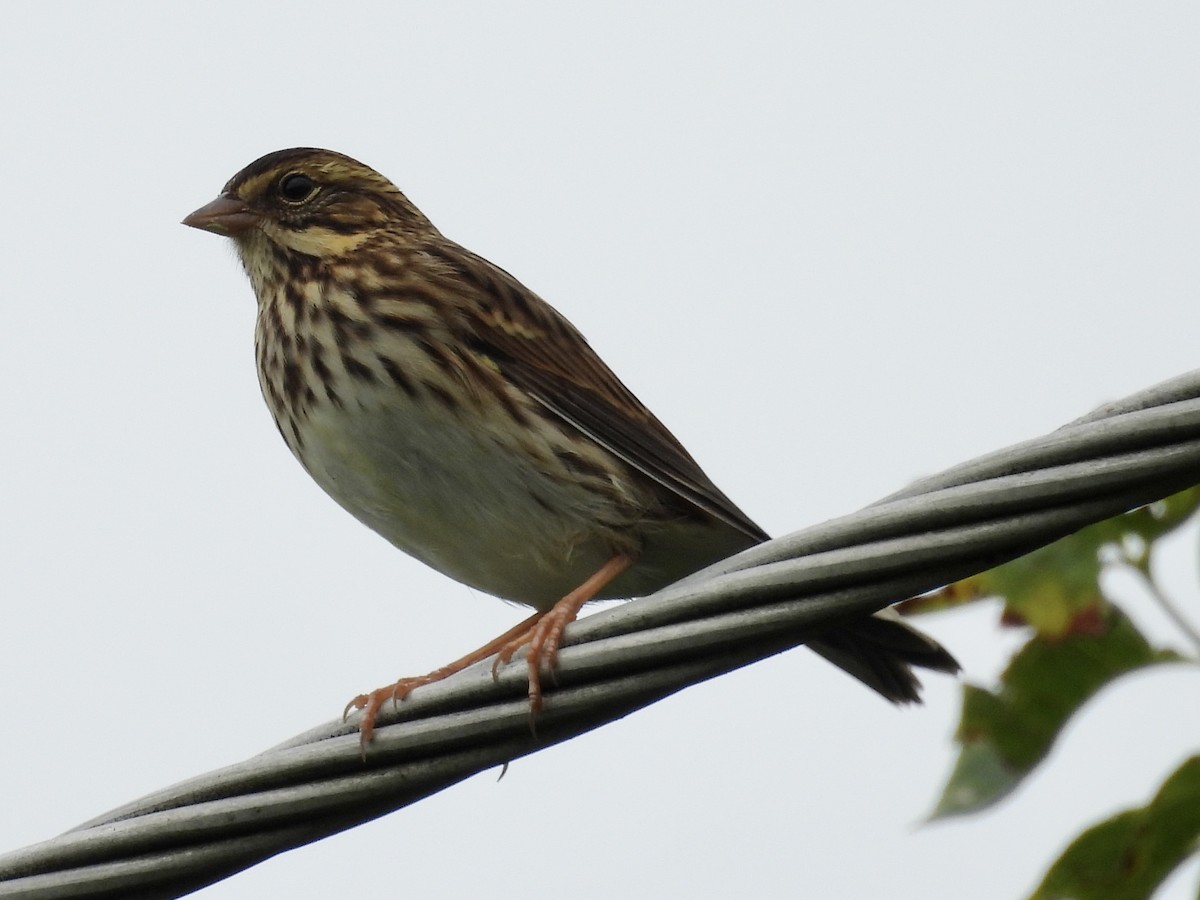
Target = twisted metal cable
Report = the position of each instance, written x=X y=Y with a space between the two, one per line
x=758 y=603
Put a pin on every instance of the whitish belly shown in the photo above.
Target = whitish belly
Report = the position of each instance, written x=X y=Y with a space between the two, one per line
x=460 y=499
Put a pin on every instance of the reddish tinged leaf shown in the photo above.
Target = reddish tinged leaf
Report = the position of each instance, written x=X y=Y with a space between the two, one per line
x=1128 y=856
x=952 y=595
x=1006 y=733
x=1010 y=618
x=1051 y=588
x=1088 y=622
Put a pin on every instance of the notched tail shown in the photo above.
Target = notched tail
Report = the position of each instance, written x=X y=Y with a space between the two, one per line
x=881 y=651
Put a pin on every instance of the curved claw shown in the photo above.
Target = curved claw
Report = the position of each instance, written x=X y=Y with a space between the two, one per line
x=357 y=703
x=542 y=632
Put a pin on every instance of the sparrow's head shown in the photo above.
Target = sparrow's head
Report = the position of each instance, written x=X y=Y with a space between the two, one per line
x=314 y=202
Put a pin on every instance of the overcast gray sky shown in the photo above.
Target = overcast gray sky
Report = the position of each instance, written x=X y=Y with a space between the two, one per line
x=835 y=247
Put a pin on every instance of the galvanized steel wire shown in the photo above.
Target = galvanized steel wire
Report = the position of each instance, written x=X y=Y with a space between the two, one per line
x=765 y=600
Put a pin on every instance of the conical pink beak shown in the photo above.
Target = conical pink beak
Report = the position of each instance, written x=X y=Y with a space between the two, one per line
x=226 y=215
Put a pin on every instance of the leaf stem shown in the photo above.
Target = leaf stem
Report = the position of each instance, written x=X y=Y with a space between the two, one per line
x=1167 y=606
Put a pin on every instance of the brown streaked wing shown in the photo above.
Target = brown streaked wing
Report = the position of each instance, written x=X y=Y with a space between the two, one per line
x=544 y=354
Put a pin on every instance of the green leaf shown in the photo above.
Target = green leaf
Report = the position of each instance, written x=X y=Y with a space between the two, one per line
x=1128 y=856
x=1164 y=516
x=1056 y=589
x=1006 y=733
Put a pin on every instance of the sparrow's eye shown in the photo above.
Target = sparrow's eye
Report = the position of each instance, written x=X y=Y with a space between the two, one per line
x=296 y=187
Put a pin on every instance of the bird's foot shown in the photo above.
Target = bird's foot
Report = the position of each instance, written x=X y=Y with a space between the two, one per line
x=373 y=702
x=545 y=635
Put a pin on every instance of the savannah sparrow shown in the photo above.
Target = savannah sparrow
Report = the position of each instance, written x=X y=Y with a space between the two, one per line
x=452 y=410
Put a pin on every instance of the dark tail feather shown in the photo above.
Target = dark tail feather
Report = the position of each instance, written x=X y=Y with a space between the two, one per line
x=880 y=650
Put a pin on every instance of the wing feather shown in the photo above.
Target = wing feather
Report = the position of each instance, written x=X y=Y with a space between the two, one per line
x=544 y=354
